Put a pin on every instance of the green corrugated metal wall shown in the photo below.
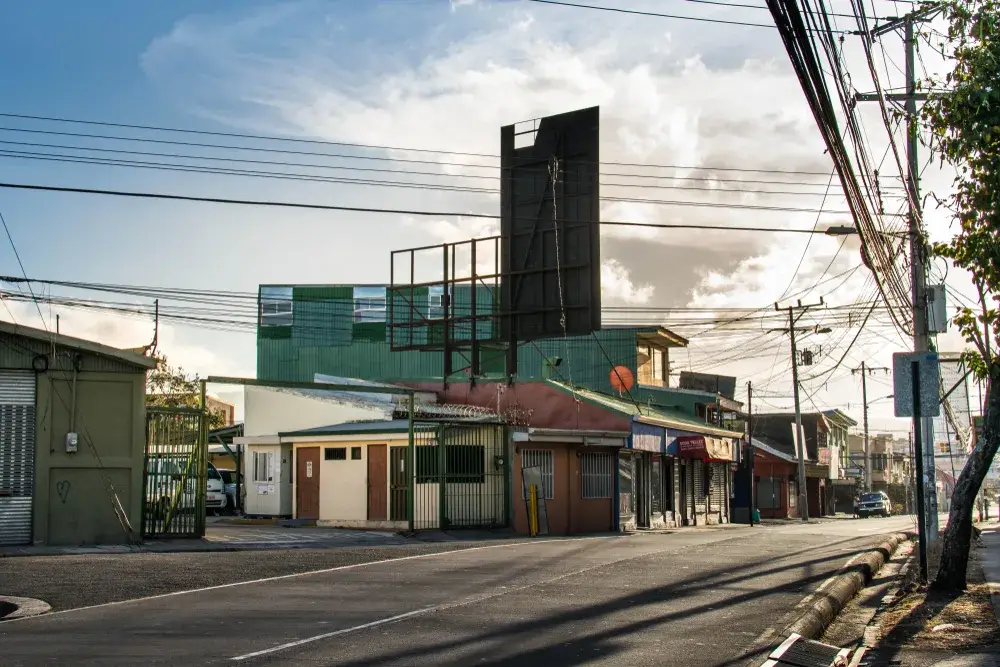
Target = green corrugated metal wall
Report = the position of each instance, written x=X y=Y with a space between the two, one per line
x=364 y=352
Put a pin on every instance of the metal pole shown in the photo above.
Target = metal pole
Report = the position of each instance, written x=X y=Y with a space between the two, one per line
x=410 y=467
x=799 y=436
x=750 y=449
x=868 y=455
x=918 y=452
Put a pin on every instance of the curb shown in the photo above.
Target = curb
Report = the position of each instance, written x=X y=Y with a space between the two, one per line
x=21 y=608
x=824 y=605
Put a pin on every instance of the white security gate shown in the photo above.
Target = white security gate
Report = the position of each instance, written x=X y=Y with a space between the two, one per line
x=17 y=455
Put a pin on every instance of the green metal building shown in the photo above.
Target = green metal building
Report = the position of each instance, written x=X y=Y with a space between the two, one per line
x=72 y=439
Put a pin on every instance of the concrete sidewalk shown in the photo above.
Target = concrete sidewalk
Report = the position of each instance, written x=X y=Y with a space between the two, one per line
x=986 y=656
x=226 y=537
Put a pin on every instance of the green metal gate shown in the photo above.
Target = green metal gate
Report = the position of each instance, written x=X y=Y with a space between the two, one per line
x=462 y=475
x=175 y=470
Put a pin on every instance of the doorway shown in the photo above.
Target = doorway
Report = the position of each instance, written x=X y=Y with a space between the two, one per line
x=378 y=471
x=307 y=483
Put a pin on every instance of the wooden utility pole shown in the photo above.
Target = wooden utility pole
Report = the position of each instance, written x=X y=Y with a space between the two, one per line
x=799 y=435
x=918 y=248
x=864 y=399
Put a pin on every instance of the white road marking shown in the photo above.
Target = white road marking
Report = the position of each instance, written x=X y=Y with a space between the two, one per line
x=306 y=574
x=308 y=640
x=453 y=605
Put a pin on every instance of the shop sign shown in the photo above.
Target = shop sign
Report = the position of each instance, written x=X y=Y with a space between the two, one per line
x=705 y=448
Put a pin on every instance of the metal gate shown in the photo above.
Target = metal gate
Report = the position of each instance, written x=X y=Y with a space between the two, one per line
x=397 y=483
x=17 y=456
x=462 y=476
x=175 y=472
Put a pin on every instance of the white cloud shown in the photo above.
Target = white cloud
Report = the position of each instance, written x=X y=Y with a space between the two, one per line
x=128 y=332
x=672 y=93
x=617 y=286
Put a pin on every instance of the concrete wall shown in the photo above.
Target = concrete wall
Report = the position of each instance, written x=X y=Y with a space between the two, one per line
x=268 y=411
x=75 y=492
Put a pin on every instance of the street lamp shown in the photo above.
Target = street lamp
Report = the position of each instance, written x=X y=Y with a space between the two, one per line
x=841 y=230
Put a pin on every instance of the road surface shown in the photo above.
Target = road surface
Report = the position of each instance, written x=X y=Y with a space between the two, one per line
x=688 y=598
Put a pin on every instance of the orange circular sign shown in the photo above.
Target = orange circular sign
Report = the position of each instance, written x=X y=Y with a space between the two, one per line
x=622 y=378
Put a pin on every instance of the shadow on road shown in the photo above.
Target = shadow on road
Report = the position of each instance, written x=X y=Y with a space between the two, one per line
x=602 y=643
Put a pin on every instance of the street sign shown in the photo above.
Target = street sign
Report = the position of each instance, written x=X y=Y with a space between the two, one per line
x=928 y=374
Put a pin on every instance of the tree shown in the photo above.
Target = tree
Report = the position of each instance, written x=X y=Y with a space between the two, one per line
x=170 y=387
x=964 y=124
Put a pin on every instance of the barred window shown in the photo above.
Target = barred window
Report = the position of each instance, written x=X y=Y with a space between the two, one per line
x=541 y=459
x=596 y=472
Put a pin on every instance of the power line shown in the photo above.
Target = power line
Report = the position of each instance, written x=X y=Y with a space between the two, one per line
x=637 y=12
x=407 y=172
x=17 y=255
x=227 y=171
x=424 y=213
x=397 y=149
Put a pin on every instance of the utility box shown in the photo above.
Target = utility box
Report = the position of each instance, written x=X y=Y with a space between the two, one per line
x=937 y=310
x=267 y=471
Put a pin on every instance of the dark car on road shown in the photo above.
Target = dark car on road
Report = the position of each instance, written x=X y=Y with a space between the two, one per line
x=874 y=504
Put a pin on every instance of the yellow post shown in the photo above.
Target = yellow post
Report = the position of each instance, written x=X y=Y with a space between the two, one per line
x=533 y=510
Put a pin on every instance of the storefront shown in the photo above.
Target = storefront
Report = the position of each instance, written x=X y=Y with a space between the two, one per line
x=706 y=465
x=645 y=480
x=659 y=486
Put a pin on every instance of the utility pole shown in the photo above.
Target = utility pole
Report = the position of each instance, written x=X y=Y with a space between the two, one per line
x=799 y=435
x=750 y=449
x=918 y=253
x=864 y=399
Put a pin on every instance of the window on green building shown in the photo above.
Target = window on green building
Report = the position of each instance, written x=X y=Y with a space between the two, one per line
x=275 y=306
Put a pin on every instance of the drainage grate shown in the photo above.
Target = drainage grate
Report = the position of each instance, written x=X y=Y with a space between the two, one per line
x=797 y=651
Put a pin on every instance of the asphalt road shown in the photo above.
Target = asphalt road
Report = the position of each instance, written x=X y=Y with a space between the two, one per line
x=691 y=598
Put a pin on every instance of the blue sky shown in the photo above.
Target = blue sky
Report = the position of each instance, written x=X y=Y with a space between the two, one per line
x=412 y=73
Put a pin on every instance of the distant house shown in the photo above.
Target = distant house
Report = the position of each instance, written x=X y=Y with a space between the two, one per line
x=826 y=437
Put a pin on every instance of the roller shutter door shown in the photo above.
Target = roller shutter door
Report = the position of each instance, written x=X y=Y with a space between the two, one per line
x=720 y=501
x=17 y=456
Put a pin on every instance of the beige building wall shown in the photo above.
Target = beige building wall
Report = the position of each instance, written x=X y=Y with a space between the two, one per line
x=343 y=485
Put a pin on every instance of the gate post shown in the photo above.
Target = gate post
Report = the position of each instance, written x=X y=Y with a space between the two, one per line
x=411 y=470
x=202 y=458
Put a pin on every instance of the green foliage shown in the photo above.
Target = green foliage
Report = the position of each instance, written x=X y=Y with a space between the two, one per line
x=170 y=387
x=964 y=123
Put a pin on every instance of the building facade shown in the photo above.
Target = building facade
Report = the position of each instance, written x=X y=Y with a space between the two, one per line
x=71 y=461
x=595 y=414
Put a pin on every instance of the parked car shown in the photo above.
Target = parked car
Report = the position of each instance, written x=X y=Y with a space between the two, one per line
x=874 y=504
x=229 y=480
x=215 y=499
x=165 y=482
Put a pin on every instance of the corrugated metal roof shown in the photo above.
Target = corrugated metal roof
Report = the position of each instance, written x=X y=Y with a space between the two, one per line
x=358 y=427
x=773 y=448
x=130 y=358
x=647 y=413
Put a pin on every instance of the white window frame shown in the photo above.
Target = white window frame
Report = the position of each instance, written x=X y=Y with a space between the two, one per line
x=544 y=459
x=268 y=461
x=367 y=303
x=276 y=307
x=596 y=475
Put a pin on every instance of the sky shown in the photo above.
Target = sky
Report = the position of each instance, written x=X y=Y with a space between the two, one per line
x=436 y=75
